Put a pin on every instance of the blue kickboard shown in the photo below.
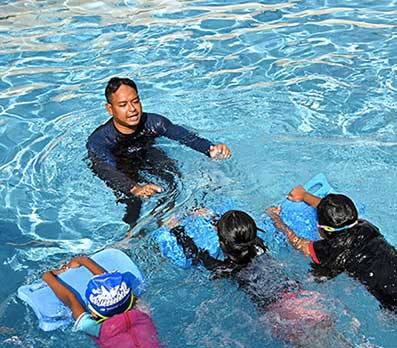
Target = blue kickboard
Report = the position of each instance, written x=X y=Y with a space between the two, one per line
x=200 y=229
x=51 y=312
x=301 y=217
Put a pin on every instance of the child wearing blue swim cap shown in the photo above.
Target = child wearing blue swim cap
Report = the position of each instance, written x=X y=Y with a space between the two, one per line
x=112 y=319
x=349 y=244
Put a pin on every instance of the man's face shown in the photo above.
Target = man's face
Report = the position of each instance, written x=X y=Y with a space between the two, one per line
x=126 y=109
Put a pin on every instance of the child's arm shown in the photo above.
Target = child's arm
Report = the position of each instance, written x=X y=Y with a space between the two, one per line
x=191 y=250
x=85 y=261
x=298 y=243
x=62 y=291
x=299 y=194
x=175 y=221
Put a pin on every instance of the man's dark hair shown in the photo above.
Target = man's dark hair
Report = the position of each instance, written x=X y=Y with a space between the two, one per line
x=237 y=234
x=115 y=83
x=336 y=211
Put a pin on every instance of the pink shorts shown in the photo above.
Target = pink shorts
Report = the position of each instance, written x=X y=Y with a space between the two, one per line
x=298 y=316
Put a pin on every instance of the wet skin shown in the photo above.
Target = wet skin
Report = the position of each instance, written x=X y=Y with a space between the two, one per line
x=126 y=109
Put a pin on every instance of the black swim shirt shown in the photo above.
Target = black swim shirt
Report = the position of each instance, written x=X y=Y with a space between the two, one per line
x=364 y=254
x=111 y=151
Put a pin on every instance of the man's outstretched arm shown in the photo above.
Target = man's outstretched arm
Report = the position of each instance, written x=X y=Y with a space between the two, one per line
x=166 y=128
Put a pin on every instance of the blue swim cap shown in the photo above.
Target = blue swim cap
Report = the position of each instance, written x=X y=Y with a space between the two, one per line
x=109 y=294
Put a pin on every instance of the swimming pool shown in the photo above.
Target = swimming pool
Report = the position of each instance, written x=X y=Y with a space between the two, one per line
x=294 y=87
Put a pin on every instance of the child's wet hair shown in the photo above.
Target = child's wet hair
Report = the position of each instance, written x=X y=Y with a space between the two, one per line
x=336 y=211
x=237 y=234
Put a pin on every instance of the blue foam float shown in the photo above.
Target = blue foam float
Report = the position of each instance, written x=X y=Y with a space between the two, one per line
x=51 y=312
x=301 y=217
x=200 y=229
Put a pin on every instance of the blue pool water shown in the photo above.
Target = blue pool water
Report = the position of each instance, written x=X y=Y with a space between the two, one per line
x=293 y=87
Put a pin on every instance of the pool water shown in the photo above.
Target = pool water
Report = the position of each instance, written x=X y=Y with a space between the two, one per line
x=293 y=87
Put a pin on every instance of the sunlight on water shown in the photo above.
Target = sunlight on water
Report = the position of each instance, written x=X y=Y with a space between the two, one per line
x=293 y=87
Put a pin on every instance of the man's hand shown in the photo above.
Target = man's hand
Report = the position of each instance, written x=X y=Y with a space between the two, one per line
x=219 y=152
x=297 y=194
x=146 y=191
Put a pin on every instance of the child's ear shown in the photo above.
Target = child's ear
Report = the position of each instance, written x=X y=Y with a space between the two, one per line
x=322 y=234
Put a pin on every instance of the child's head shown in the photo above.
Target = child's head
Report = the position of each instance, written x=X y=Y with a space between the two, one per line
x=109 y=294
x=237 y=235
x=335 y=213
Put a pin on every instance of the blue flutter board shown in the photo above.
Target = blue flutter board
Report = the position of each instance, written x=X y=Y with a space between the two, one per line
x=51 y=312
x=200 y=229
x=301 y=217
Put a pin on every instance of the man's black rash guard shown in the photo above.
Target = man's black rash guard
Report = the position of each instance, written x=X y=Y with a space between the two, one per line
x=107 y=147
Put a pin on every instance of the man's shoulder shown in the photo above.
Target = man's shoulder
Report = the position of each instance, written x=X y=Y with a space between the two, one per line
x=152 y=118
x=104 y=131
x=156 y=123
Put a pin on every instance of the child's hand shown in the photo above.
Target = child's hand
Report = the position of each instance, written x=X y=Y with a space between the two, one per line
x=56 y=272
x=171 y=222
x=74 y=263
x=201 y=211
x=273 y=211
x=297 y=194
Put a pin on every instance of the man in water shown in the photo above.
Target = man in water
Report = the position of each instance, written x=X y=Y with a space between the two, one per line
x=122 y=151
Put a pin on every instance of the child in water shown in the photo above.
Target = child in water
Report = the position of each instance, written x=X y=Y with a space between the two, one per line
x=349 y=244
x=112 y=319
x=294 y=314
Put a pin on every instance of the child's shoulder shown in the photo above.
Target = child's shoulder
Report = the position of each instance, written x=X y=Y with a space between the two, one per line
x=87 y=324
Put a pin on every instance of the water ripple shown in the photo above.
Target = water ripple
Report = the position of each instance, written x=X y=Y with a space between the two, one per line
x=294 y=87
